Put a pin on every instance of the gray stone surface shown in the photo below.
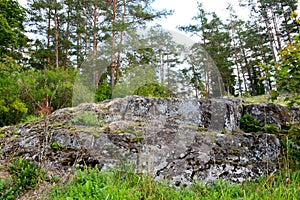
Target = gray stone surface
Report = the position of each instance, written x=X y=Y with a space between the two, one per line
x=272 y=114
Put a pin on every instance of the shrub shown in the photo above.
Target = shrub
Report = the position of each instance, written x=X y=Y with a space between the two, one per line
x=56 y=84
x=24 y=175
x=286 y=70
x=153 y=90
x=103 y=92
x=87 y=118
x=268 y=128
x=249 y=123
x=12 y=107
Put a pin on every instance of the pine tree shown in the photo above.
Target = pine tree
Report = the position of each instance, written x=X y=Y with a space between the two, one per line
x=271 y=36
x=215 y=39
x=12 y=37
x=122 y=16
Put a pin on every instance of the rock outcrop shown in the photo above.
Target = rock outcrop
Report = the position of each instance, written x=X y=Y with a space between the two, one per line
x=184 y=141
x=273 y=114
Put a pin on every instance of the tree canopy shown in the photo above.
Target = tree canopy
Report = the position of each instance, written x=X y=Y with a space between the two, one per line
x=246 y=57
x=12 y=37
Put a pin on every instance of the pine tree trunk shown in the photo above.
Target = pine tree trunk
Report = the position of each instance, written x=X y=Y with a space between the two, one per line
x=121 y=42
x=253 y=92
x=48 y=37
x=67 y=39
x=78 y=60
x=276 y=29
x=207 y=76
x=236 y=60
x=270 y=35
x=95 y=30
x=113 y=44
x=56 y=33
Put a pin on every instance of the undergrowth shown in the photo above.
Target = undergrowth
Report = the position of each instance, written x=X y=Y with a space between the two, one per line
x=92 y=184
x=87 y=118
x=24 y=175
x=249 y=123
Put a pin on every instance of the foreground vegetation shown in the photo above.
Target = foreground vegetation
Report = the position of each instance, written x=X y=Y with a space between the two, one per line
x=92 y=184
x=118 y=184
x=24 y=175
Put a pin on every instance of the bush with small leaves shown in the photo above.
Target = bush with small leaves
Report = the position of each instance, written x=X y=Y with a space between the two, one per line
x=249 y=123
x=103 y=92
x=268 y=128
x=24 y=176
x=286 y=72
x=88 y=118
x=153 y=90
x=12 y=107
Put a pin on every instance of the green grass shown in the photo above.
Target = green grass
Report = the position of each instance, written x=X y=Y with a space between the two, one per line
x=92 y=184
x=264 y=99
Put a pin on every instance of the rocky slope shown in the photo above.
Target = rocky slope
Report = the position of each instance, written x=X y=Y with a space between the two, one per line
x=184 y=141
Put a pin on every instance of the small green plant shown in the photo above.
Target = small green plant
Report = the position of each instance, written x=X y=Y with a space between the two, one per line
x=26 y=173
x=15 y=133
x=87 y=118
x=55 y=146
x=268 y=128
x=31 y=118
x=24 y=176
x=249 y=123
x=55 y=179
x=6 y=192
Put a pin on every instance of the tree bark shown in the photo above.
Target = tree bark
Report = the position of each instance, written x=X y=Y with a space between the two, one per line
x=95 y=13
x=56 y=33
x=67 y=38
x=276 y=29
x=113 y=44
x=48 y=38
x=236 y=59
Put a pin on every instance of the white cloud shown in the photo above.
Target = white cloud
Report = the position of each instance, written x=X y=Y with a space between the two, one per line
x=22 y=2
x=185 y=10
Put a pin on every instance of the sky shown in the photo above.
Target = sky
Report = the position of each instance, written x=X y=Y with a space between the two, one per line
x=184 y=10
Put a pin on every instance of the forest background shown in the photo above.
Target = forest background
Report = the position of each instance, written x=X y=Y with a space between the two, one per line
x=255 y=56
